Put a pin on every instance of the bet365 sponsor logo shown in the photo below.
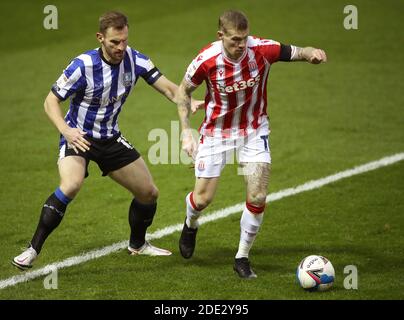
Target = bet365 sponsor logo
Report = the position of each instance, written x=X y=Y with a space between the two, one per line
x=239 y=85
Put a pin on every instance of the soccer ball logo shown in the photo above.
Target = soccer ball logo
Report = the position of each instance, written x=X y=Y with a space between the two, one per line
x=315 y=273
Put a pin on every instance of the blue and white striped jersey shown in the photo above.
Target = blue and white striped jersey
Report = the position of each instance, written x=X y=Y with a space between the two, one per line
x=97 y=89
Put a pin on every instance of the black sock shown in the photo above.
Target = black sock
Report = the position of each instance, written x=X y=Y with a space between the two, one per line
x=52 y=213
x=140 y=218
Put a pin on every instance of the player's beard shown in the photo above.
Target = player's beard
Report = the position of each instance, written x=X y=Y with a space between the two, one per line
x=113 y=55
x=119 y=55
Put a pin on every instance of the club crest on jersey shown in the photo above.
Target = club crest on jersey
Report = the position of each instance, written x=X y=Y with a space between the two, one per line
x=252 y=65
x=127 y=79
x=98 y=86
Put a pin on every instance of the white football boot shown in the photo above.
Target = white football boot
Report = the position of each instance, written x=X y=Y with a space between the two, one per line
x=148 y=250
x=24 y=260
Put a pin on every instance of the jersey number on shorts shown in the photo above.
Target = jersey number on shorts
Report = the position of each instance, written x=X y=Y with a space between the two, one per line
x=265 y=139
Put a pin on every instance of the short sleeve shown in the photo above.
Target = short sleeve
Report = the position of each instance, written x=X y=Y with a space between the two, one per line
x=195 y=73
x=71 y=80
x=145 y=68
x=270 y=49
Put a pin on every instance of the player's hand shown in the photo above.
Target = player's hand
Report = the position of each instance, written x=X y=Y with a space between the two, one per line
x=75 y=138
x=189 y=143
x=317 y=56
x=196 y=105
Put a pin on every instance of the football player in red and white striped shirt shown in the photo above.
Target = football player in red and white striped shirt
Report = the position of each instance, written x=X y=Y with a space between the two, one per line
x=235 y=69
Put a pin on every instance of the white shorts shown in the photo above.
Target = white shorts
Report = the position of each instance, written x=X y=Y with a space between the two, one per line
x=215 y=152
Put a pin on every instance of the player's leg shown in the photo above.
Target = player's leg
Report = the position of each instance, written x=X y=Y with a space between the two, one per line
x=136 y=178
x=209 y=163
x=200 y=198
x=72 y=171
x=255 y=159
x=196 y=201
x=256 y=178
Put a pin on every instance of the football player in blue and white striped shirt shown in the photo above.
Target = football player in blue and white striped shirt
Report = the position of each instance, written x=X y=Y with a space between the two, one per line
x=98 y=83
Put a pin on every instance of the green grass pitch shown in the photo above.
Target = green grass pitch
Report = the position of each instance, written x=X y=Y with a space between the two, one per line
x=324 y=119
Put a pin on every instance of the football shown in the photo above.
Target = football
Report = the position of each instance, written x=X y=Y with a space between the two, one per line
x=315 y=273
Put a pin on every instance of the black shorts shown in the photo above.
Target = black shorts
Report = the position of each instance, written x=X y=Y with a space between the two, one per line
x=110 y=154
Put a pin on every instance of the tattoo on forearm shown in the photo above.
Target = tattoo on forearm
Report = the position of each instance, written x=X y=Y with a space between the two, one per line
x=184 y=107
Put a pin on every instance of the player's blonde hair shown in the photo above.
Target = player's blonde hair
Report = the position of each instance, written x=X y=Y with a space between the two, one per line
x=233 y=19
x=114 y=19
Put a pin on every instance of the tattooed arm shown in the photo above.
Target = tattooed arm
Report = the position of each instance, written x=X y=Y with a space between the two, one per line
x=184 y=108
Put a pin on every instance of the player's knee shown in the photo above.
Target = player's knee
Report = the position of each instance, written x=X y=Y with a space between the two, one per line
x=202 y=200
x=71 y=188
x=154 y=194
x=148 y=195
x=257 y=198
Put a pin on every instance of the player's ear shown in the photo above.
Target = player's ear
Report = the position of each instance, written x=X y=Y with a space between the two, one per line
x=220 y=34
x=100 y=37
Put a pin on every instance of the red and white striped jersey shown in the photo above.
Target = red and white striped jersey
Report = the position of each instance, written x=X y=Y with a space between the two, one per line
x=236 y=95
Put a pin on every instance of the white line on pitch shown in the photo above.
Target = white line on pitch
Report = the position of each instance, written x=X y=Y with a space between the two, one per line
x=94 y=254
